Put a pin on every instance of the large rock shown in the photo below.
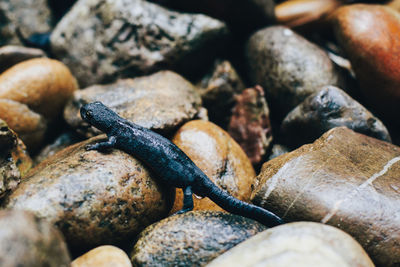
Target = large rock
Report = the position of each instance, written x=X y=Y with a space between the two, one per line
x=191 y=239
x=296 y=244
x=329 y=108
x=161 y=102
x=102 y=40
x=93 y=198
x=288 y=67
x=344 y=179
x=12 y=54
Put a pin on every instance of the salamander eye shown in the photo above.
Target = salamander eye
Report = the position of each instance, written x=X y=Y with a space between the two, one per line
x=89 y=114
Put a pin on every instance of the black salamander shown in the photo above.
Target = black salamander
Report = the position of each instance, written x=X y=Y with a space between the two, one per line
x=167 y=161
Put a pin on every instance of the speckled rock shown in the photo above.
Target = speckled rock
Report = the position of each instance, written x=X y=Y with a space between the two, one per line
x=28 y=241
x=296 y=244
x=103 y=256
x=329 y=108
x=191 y=239
x=250 y=125
x=160 y=102
x=102 y=40
x=93 y=198
x=11 y=55
x=344 y=179
x=219 y=157
x=288 y=67
x=366 y=33
x=29 y=16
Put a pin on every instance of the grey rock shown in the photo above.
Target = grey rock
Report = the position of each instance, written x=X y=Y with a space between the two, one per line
x=278 y=150
x=102 y=40
x=11 y=55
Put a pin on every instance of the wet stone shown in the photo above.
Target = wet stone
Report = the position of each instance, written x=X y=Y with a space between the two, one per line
x=219 y=157
x=296 y=244
x=327 y=109
x=344 y=179
x=28 y=241
x=92 y=197
x=103 y=256
x=11 y=55
x=288 y=67
x=191 y=239
x=160 y=102
x=102 y=40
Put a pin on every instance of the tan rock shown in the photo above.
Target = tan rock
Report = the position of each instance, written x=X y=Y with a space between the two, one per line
x=219 y=157
x=12 y=54
x=103 y=256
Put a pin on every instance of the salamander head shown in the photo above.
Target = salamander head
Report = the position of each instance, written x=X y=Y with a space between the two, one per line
x=99 y=116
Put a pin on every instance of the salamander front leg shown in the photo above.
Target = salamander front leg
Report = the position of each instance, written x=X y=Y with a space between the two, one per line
x=187 y=200
x=104 y=145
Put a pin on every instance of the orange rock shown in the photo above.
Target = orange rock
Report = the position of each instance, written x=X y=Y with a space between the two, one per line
x=219 y=157
x=368 y=34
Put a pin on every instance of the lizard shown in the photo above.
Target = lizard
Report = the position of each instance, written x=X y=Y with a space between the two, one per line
x=168 y=162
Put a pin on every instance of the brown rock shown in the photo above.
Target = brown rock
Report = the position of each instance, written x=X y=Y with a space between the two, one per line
x=93 y=198
x=366 y=33
x=103 y=256
x=130 y=38
x=296 y=244
x=329 y=108
x=192 y=238
x=219 y=157
x=162 y=102
x=344 y=179
x=288 y=67
x=28 y=241
x=250 y=125
x=11 y=55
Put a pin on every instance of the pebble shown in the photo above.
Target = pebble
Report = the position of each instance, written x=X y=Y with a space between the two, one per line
x=13 y=54
x=344 y=179
x=103 y=256
x=219 y=157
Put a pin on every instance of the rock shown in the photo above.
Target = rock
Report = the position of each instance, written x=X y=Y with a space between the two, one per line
x=103 y=256
x=329 y=108
x=161 y=102
x=278 y=150
x=296 y=244
x=288 y=67
x=218 y=90
x=29 y=16
x=365 y=33
x=219 y=157
x=93 y=198
x=102 y=40
x=395 y=4
x=192 y=238
x=28 y=241
x=344 y=179
x=11 y=55
x=250 y=125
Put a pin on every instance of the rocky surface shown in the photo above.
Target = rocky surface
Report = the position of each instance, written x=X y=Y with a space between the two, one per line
x=93 y=198
x=277 y=150
x=102 y=40
x=191 y=239
x=12 y=54
x=329 y=108
x=219 y=157
x=296 y=244
x=160 y=102
x=28 y=241
x=103 y=256
x=288 y=67
x=343 y=179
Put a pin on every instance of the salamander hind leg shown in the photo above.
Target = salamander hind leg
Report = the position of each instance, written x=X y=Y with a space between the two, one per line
x=103 y=145
x=187 y=200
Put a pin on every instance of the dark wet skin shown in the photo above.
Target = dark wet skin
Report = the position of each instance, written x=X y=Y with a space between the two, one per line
x=170 y=164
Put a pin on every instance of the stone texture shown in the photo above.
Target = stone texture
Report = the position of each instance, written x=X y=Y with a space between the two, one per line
x=28 y=241
x=160 y=102
x=367 y=35
x=93 y=198
x=102 y=40
x=277 y=150
x=250 y=125
x=103 y=256
x=344 y=179
x=288 y=67
x=219 y=157
x=296 y=244
x=192 y=238
x=11 y=55
x=218 y=89
x=29 y=16
x=329 y=108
